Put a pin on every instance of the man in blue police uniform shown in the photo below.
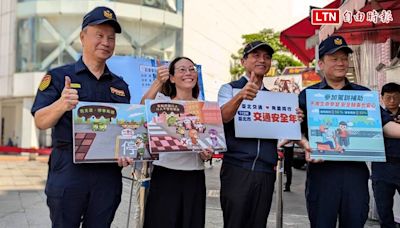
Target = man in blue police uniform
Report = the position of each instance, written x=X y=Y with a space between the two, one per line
x=337 y=188
x=386 y=175
x=247 y=173
x=84 y=193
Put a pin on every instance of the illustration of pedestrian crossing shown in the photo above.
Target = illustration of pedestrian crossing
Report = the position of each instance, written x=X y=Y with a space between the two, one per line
x=155 y=129
x=161 y=141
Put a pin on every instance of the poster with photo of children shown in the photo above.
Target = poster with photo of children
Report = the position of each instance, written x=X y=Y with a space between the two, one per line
x=345 y=125
x=103 y=132
x=184 y=126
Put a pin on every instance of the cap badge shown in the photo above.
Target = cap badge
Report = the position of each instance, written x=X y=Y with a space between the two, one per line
x=338 y=41
x=107 y=14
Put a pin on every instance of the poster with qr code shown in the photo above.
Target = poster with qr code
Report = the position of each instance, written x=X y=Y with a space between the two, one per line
x=103 y=132
x=139 y=73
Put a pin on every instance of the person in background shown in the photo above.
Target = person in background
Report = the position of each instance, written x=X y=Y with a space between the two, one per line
x=288 y=149
x=74 y=190
x=386 y=175
x=177 y=194
x=10 y=142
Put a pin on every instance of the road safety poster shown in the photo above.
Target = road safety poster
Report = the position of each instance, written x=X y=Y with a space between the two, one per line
x=184 y=126
x=102 y=132
x=271 y=115
x=345 y=125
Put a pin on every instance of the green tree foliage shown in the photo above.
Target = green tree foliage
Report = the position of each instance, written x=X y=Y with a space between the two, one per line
x=270 y=37
x=284 y=60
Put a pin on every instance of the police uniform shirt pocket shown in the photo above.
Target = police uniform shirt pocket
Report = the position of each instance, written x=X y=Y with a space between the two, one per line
x=81 y=87
x=119 y=99
x=83 y=95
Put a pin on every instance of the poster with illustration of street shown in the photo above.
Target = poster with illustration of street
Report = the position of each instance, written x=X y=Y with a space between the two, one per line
x=184 y=126
x=103 y=132
x=345 y=125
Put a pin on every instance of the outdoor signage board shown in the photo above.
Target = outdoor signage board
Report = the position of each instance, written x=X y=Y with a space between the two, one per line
x=345 y=125
x=184 y=126
x=103 y=132
x=271 y=115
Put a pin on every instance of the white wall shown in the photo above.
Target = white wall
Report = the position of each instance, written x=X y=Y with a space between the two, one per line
x=213 y=30
x=26 y=84
x=29 y=137
x=7 y=45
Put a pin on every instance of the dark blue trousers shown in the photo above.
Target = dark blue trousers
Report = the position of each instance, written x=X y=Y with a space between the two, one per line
x=337 y=191
x=385 y=182
x=246 y=196
x=384 y=193
x=87 y=194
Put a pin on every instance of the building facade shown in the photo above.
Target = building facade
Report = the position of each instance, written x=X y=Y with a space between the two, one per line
x=38 y=35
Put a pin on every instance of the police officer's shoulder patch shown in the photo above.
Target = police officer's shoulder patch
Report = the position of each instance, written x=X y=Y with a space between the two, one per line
x=45 y=82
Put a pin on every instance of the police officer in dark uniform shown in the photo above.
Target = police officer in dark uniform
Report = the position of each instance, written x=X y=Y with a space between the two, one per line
x=386 y=175
x=81 y=193
x=337 y=188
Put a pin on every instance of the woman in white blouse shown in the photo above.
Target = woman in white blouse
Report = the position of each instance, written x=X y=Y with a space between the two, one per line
x=177 y=194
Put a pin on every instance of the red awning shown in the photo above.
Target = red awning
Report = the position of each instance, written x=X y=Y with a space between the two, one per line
x=294 y=37
x=357 y=32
